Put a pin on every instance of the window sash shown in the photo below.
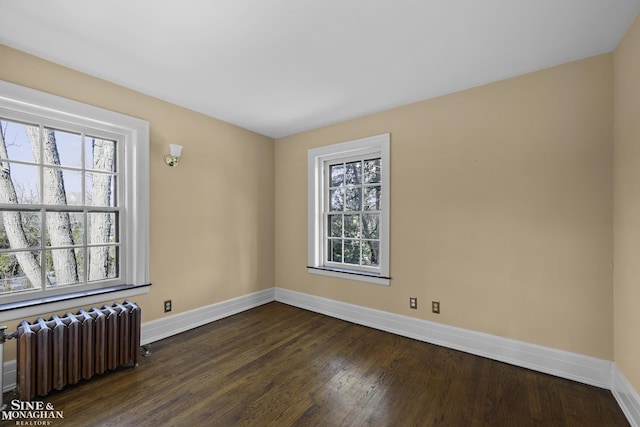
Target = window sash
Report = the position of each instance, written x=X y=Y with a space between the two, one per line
x=329 y=211
x=82 y=250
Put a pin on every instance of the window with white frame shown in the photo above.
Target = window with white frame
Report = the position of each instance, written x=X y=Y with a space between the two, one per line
x=73 y=197
x=349 y=210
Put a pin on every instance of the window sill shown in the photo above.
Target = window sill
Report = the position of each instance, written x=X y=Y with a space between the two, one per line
x=350 y=275
x=42 y=306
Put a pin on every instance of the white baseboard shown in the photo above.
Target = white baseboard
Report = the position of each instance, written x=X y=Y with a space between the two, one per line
x=577 y=367
x=172 y=325
x=626 y=396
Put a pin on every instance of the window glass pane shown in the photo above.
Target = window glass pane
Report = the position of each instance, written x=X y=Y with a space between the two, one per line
x=77 y=227
x=371 y=198
x=113 y=266
x=17 y=141
x=100 y=189
x=335 y=225
x=354 y=199
x=62 y=148
x=336 y=199
x=370 y=251
x=336 y=173
x=352 y=226
x=352 y=252
x=64 y=187
x=25 y=183
x=13 y=277
x=372 y=171
x=100 y=154
x=72 y=181
x=370 y=226
x=102 y=227
x=63 y=228
x=19 y=230
x=353 y=173
x=103 y=262
x=64 y=266
x=335 y=250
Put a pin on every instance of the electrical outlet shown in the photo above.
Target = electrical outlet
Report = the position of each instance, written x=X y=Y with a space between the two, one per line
x=167 y=306
x=413 y=302
x=435 y=307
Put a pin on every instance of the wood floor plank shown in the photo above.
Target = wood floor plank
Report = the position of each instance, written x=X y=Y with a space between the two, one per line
x=278 y=365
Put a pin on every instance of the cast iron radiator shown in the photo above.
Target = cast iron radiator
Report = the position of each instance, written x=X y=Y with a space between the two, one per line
x=64 y=350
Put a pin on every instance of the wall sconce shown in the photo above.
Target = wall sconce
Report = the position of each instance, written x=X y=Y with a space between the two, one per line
x=172 y=159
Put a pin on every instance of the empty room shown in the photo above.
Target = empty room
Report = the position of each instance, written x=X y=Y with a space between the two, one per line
x=407 y=213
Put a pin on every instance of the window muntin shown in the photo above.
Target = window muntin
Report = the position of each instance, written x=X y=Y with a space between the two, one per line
x=348 y=211
x=59 y=206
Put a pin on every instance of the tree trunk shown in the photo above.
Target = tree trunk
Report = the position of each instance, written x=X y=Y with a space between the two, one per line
x=13 y=222
x=58 y=223
x=100 y=223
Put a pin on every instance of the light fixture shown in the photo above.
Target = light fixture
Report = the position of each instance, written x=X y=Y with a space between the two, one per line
x=172 y=159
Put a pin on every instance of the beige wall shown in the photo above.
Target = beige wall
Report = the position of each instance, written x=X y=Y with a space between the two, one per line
x=501 y=208
x=211 y=221
x=627 y=205
x=501 y=203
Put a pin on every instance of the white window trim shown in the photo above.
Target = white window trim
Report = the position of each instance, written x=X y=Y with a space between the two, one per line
x=316 y=159
x=136 y=168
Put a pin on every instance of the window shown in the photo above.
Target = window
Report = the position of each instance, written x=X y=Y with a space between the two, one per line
x=73 y=197
x=349 y=210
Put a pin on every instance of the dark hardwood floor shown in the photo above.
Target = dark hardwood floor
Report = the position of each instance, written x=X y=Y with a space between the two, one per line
x=277 y=365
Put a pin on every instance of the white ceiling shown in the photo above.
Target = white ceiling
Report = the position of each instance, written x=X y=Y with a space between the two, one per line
x=279 y=67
